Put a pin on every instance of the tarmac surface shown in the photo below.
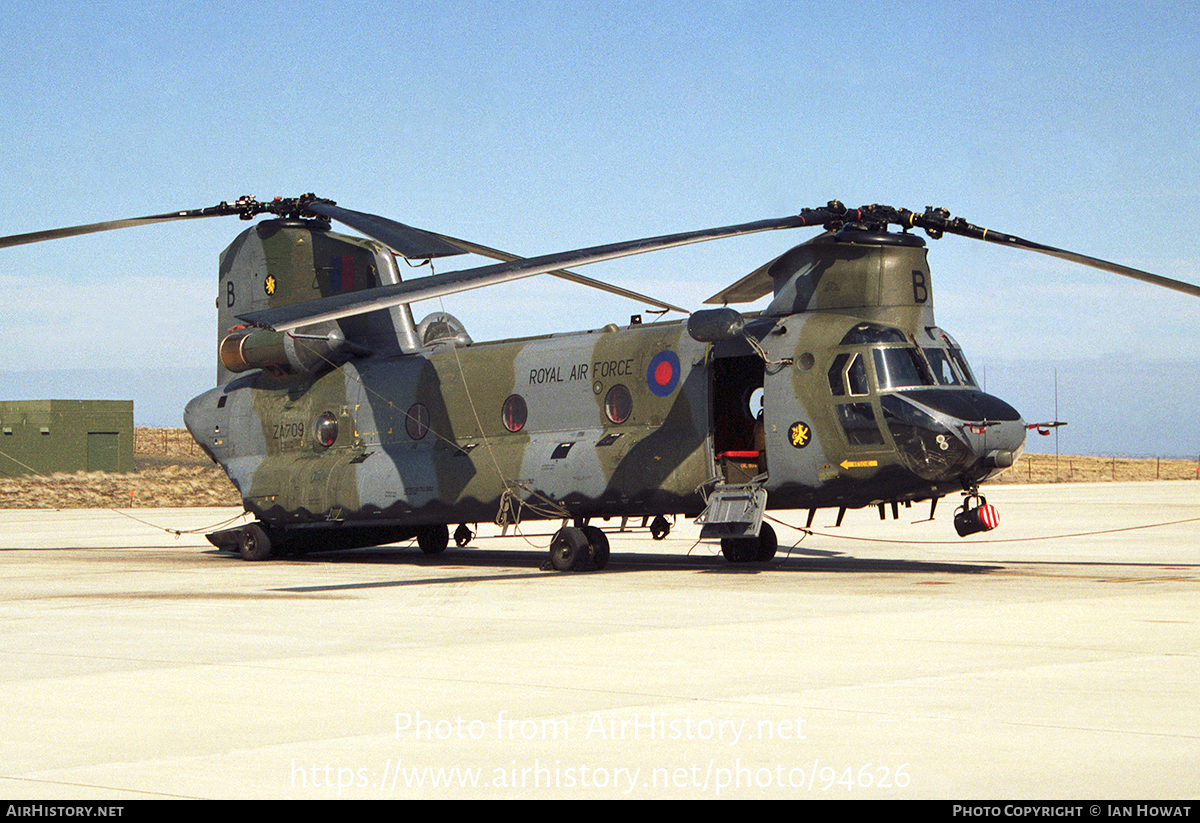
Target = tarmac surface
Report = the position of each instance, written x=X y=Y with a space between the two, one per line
x=1056 y=657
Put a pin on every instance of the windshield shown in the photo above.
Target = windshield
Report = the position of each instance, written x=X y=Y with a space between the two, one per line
x=900 y=368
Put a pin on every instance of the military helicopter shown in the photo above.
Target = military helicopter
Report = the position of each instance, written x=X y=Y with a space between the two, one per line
x=344 y=422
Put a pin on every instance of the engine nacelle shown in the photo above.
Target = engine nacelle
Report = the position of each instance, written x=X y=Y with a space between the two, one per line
x=248 y=348
x=716 y=325
x=283 y=262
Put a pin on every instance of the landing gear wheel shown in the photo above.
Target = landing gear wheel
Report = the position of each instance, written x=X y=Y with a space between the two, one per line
x=767 y=544
x=659 y=528
x=433 y=539
x=569 y=549
x=462 y=535
x=254 y=543
x=599 y=543
x=739 y=549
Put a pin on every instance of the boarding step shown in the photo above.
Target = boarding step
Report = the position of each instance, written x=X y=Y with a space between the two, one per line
x=733 y=511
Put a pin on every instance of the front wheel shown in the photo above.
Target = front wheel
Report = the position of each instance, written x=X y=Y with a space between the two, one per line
x=739 y=549
x=767 y=544
x=759 y=549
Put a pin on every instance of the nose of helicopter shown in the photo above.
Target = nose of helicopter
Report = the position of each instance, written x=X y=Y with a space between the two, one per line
x=944 y=434
x=997 y=444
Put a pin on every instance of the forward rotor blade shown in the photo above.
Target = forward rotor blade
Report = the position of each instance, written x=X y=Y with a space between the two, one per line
x=1096 y=263
x=936 y=222
x=574 y=277
x=346 y=305
x=754 y=285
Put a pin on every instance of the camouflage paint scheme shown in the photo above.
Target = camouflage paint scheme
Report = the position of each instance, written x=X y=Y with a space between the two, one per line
x=344 y=422
x=421 y=435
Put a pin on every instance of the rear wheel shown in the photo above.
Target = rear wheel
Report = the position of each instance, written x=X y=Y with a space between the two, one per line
x=660 y=528
x=254 y=543
x=433 y=539
x=599 y=543
x=569 y=549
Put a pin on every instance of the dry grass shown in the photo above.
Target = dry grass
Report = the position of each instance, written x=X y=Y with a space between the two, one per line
x=165 y=444
x=1046 y=468
x=156 y=486
x=172 y=471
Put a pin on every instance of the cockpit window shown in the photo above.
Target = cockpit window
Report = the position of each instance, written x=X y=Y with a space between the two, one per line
x=856 y=375
x=899 y=368
x=943 y=371
x=858 y=422
x=837 y=385
x=955 y=354
x=849 y=371
x=960 y=360
x=872 y=333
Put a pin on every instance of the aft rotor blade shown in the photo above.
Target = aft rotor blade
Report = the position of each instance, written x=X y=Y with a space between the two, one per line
x=574 y=277
x=419 y=244
x=352 y=303
x=111 y=225
x=407 y=241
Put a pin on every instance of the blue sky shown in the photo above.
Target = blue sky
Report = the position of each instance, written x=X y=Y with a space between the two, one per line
x=539 y=126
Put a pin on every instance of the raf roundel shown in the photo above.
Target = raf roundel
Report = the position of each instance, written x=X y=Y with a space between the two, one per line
x=662 y=375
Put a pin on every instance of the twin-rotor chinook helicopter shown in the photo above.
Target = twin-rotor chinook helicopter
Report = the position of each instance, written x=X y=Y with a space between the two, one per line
x=344 y=422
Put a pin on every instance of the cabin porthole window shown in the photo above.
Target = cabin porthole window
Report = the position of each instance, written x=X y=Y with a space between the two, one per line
x=416 y=422
x=514 y=413
x=618 y=404
x=325 y=430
